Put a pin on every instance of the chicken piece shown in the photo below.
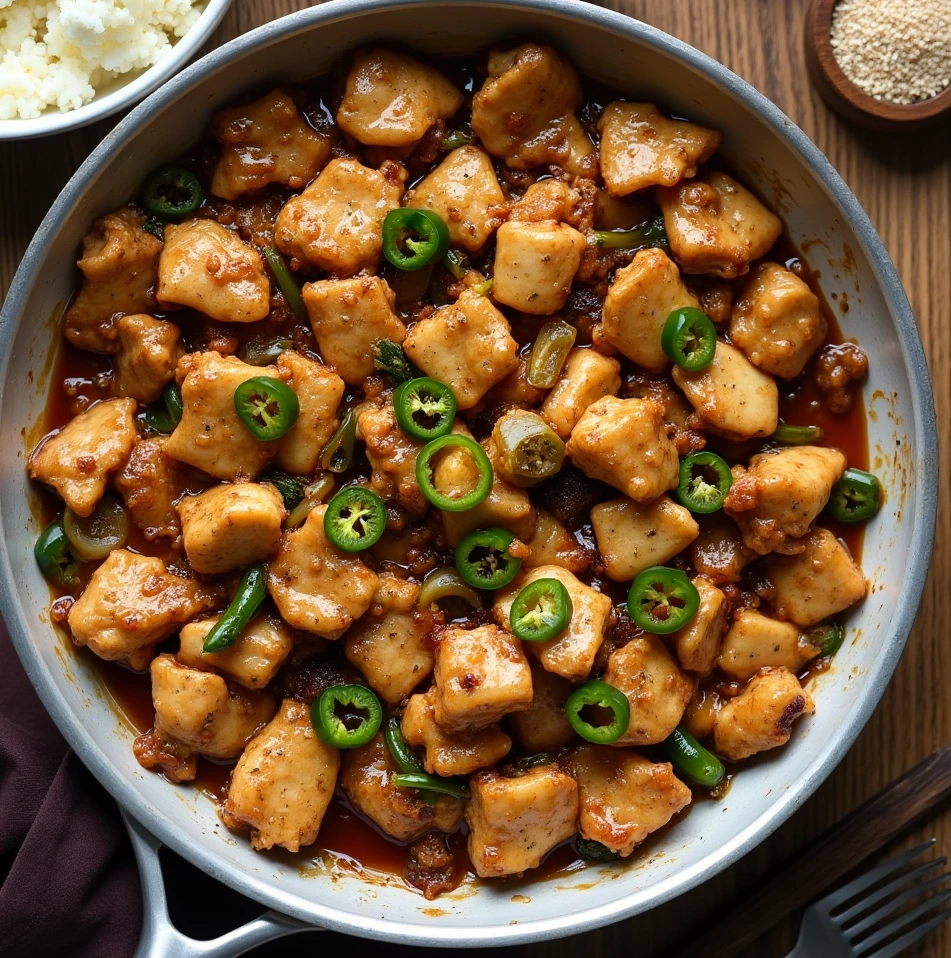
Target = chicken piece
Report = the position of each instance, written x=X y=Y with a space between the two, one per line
x=525 y=111
x=120 y=271
x=265 y=141
x=348 y=316
x=467 y=344
x=586 y=377
x=634 y=536
x=624 y=797
x=315 y=586
x=283 y=783
x=131 y=603
x=819 y=582
x=211 y=269
x=543 y=727
x=571 y=653
x=761 y=716
x=716 y=226
x=516 y=390
x=719 y=553
x=552 y=544
x=698 y=643
x=701 y=714
x=337 y=222
x=515 y=822
x=148 y=352
x=637 y=305
x=640 y=147
x=755 y=641
x=366 y=777
x=252 y=661
x=78 y=459
x=657 y=690
x=392 y=100
x=549 y=199
x=211 y=436
x=624 y=442
x=480 y=675
x=151 y=482
x=231 y=526
x=447 y=754
x=732 y=396
x=176 y=761
x=392 y=456
x=535 y=265
x=776 y=499
x=464 y=191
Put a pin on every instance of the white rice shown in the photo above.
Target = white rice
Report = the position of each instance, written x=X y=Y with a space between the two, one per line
x=57 y=53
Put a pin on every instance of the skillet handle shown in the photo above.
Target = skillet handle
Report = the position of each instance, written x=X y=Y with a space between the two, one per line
x=161 y=939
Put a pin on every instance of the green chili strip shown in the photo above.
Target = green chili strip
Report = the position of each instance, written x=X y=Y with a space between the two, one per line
x=457 y=263
x=166 y=417
x=412 y=238
x=646 y=236
x=268 y=407
x=540 y=611
x=432 y=783
x=796 y=435
x=688 y=756
x=689 y=339
x=592 y=851
x=705 y=480
x=446 y=583
x=484 y=561
x=338 y=453
x=313 y=494
x=247 y=600
x=603 y=696
x=55 y=558
x=286 y=282
x=549 y=352
x=406 y=759
x=662 y=600
x=265 y=353
x=171 y=192
x=352 y=700
x=456 y=138
x=828 y=637
x=461 y=501
x=855 y=497
x=355 y=519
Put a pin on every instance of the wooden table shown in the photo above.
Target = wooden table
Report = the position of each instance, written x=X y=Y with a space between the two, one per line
x=905 y=185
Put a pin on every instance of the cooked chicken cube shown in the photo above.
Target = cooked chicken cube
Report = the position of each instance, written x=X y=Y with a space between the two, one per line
x=252 y=661
x=348 y=316
x=776 y=499
x=553 y=544
x=818 y=582
x=78 y=460
x=392 y=456
x=624 y=442
x=231 y=526
x=450 y=754
x=133 y=602
x=211 y=269
x=776 y=321
x=366 y=777
x=701 y=714
x=640 y=147
x=698 y=643
x=549 y=199
x=151 y=482
x=337 y=222
x=634 y=536
x=283 y=782
x=515 y=822
x=265 y=141
x=392 y=100
x=467 y=344
x=525 y=111
x=586 y=377
x=535 y=265
x=570 y=654
x=148 y=352
x=120 y=269
x=176 y=761
x=543 y=726
x=761 y=717
x=719 y=553
x=755 y=641
x=637 y=305
x=716 y=226
x=624 y=797
x=732 y=396
x=657 y=690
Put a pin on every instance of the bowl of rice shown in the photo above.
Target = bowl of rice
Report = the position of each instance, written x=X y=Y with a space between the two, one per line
x=66 y=63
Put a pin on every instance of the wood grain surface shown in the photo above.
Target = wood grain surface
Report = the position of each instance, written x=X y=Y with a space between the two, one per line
x=905 y=185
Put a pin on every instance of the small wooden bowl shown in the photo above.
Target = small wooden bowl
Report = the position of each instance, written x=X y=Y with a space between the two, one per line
x=843 y=96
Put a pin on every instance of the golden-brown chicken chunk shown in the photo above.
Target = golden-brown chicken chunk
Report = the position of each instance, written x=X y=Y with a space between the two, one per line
x=637 y=305
x=731 y=395
x=78 y=459
x=719 y=552
x=716 y=226
x=776 y=499
x=543 y=726
x=525 y=111
x=231 y=526
x=586 y=377
x=761 y=717
x=392 y=100
x=211 y=269
x=633 y=536
x=818 y=582
x=776 y=321
x=467 y=345
x=549 y=199
x=698 y=642
x=623 y=796
x=148 y=352
x=624 y=442
x=392 y=456
x=755 y=640
x=553 y=544
x=283 y=782
x=515 y=822
x=348 y=316
x=120 y=269
x=265 y=141
x=337 y=222
x=465 y=192
x=133 y=602
x=151 y=482
x=640 y=147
